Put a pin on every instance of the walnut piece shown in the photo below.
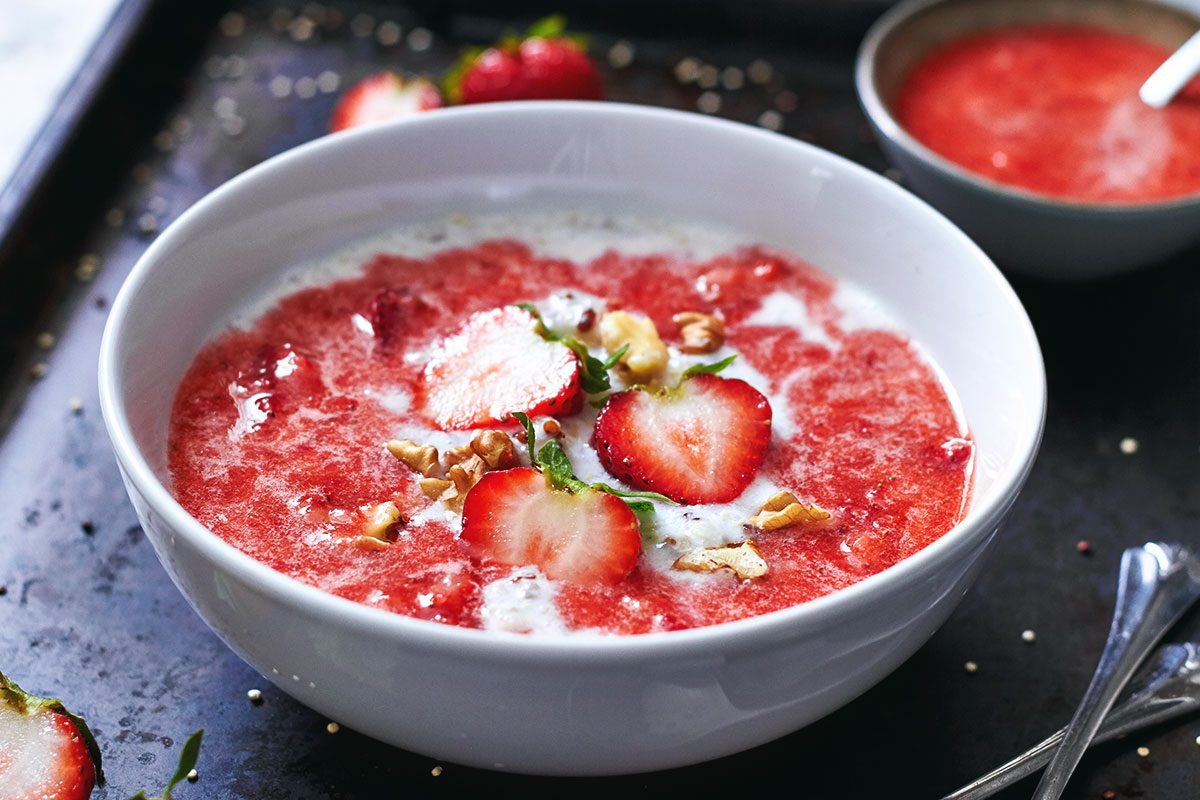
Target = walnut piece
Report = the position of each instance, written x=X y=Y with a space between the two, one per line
x=702 y=333
x=646 y=356
x=783 y=509
x=434 y=487
x=463 y=477
x=422 y=458
x=381 y=519
x=371 y=543
x=495 y=448
x=743 y=558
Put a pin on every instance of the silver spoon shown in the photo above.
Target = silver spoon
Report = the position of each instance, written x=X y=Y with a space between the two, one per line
x=1172 y=75
x=1158 y=583
x=1167 y=687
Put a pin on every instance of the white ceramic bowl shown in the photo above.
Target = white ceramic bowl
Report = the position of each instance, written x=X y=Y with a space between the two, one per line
x=563 y=705
x=1023 y=230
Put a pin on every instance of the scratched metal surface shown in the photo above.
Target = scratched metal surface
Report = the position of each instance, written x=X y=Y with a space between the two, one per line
x=89 y=615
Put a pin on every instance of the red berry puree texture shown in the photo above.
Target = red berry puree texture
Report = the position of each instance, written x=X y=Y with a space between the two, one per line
x=1055 y=109
x=277 y=434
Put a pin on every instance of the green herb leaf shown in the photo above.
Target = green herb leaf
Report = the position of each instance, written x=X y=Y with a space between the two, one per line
x=593 y=371
x=555 y=465
x=626 y=495
x=639 y=506
x=547 y=27
x=530 y=436
x=188 y=757
x=708 y=369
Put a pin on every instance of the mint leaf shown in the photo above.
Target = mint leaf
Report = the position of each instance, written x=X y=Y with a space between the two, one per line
x=639 y=506
x=593 y=371
x=555 y=465
x=547 y=27
x=530 y=437
x=626 y=495
x=708 y=369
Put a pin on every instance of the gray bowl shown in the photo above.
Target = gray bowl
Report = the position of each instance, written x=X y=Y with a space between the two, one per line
x=1022 y=230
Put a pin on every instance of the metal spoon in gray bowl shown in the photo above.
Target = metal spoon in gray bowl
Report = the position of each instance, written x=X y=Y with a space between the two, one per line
x=1174 y=73
x=1166 y=688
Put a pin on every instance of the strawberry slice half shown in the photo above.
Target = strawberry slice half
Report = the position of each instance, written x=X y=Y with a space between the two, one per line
x=383 y=97
x=498 y=364
x=46 y=752
x=700 y=442
x=517 y=517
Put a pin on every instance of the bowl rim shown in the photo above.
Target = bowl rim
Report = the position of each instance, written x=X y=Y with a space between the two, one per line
x=978 y=525
x=877 y=111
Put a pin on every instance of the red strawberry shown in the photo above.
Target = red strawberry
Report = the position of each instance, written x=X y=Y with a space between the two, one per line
x=701 y=442
x=516 y=517
x=545 y=65
x=382 y=97
x=497 y=364
x=46 y=753
x=394 y=312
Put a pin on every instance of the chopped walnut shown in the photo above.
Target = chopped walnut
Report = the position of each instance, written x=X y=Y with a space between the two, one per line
x=381 y=519
x=646 y=356
x=371 y=543
x=743 y=558
x=783 y=509
x=422 y=458
x=495 y=448
x=702 y=333
x=463 y=477
x=457 y=455
x=434 y=487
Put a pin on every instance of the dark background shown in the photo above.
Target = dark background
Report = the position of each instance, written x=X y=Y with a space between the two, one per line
x=89 y=615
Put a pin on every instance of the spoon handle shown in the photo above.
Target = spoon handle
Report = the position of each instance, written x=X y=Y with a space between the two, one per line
x=1168 y=687
x=1158 y=583
x=1172 y=75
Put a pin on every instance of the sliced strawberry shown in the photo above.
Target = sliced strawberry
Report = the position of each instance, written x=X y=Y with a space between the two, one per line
x=516 y=517
x=701 y=442
x=498 y=364
x=544 y=65
x=382 y=97
x=46 y=753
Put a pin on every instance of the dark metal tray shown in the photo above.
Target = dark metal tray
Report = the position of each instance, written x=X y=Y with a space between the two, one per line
x=88 y=614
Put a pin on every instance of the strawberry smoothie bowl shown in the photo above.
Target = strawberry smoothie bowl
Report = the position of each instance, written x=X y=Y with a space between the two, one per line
x=521 y=437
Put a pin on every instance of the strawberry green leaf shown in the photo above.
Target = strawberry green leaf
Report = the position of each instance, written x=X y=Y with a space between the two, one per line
x=30 y=704
x=451 y=82
x=628 y=495
x=547 y=27
x=593 y=371
x=708 y=369
x=188 y=757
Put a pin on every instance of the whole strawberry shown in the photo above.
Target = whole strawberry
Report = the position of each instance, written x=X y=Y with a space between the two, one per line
x=46 y=752
x=383 y=97
x=544 y=64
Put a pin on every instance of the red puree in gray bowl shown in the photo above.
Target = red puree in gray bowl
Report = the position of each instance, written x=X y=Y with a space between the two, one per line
x=278 y=433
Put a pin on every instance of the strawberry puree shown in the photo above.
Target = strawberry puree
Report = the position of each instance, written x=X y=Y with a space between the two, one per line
x=277 y=433
x=1055 y=109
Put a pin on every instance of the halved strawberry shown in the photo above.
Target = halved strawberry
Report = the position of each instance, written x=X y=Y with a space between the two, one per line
x=382 y=97
x=700 y=442
x=517 y=517
x=497 y=364
x=46 y=752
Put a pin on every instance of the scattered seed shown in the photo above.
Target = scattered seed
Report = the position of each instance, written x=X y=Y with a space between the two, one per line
x=786 y=101
x=88 y=527
x=1129 y=445
x=114 y=217
x=551 y=427
x=76 y=406
x=362 y=25
x=771 y=120
x=759 y=71
x=45 y=340
x=436 y=771
x=687 y=70
x=388 y=33
x=1084 y=547
x=709 y=102
x=971 y=667
x=709 y=77
x=305 y=88
x=328 y=81
x=255 y=697
x=420 y=39
x=333 y=727
x=1143 y=751
x=587 y=320
x=86 y=270
x=4 y=591
x=280 y=86
x=620 y=55
x=193 y=776
x=521 y=436
x=232 y=24
x=38 y=370
x=733 y=78
x=1029 y=637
